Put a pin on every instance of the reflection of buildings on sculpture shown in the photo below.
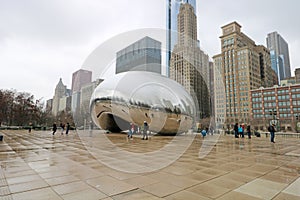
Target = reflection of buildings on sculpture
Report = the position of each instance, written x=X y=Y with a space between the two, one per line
x=143 y=55
x=189 y=65
x=135 y=97
x=242 y=66
x=275 y=103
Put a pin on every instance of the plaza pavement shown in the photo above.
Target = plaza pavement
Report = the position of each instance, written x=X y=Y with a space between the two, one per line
x=39 y=166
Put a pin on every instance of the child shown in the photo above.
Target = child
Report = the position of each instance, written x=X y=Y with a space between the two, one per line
x=204 y=132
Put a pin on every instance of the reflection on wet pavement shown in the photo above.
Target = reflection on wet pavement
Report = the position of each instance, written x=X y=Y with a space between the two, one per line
x=41 y=166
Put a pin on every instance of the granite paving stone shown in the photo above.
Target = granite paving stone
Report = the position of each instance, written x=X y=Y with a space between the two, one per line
x=39 y=166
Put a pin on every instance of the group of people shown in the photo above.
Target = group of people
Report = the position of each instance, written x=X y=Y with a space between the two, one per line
x=62 y=128
x=239 y=131
x=133 y=129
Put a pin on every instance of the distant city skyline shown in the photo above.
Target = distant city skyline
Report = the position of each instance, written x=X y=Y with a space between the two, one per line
x=43 y=42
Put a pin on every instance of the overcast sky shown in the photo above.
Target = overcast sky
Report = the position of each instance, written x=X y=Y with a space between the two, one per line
x=44 y=40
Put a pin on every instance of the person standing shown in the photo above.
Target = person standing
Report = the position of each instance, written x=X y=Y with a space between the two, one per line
x=272 y=132
x=249 y=131
x=67 y=128
x=145 y=131
x=236 y=127
x=30 y=127
x=62 y=126
x=241 y=131
x=204 y=132
x=243 y=127
x=131 y=130
x=54 y=128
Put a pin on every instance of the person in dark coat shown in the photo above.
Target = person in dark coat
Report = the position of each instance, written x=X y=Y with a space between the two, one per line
x=54 y=128
x=236 y=128
x=67 y=128
x=249 y=131
x=272 y=132
x=30 y=127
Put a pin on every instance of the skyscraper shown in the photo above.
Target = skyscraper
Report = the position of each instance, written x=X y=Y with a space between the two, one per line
x=189 y=65
x=60 y=91
x=79 y=78
x=143 y=55
x=243 y=66
x=172 y=12
x=279 y=50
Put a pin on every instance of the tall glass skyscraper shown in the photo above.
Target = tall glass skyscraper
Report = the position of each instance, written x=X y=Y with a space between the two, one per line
x=280 y=58
x=143 y=55
x=172 y=12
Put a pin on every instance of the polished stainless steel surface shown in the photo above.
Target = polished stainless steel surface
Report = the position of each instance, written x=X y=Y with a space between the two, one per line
x=135 y=97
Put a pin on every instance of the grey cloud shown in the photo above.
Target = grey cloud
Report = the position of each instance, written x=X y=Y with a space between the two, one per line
x=72 y=28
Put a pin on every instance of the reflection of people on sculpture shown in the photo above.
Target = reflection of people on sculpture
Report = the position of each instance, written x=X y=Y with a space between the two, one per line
x=148 y=98
x=145 y=131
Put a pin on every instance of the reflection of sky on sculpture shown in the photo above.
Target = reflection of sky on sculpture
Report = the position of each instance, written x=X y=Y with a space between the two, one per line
x=146 y=87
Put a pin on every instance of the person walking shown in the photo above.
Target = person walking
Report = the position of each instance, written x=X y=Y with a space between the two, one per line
x=272 y=132
x=67 y=128
x=54 y=128
x=249 y=131
x=236 y=127
x=145 y=131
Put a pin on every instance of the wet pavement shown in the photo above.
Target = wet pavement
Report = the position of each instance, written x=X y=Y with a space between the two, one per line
x=82 y=165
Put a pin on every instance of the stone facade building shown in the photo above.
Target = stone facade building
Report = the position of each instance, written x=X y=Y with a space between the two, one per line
x=240 y=67
x=189 y=65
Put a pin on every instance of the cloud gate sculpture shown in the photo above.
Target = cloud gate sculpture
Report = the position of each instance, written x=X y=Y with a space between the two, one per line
x=135 y=97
